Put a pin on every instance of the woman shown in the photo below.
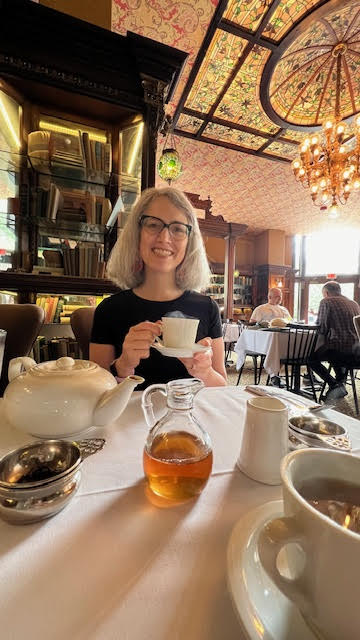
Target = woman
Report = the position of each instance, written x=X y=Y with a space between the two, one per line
x=159 y=259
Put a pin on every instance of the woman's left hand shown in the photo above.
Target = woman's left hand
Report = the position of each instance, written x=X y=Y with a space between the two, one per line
x=200 y=365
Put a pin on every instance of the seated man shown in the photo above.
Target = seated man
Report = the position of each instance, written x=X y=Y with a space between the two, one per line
x=272 y=309
x=335 y=318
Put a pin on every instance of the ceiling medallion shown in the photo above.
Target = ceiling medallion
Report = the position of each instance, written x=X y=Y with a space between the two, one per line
x=316 y=81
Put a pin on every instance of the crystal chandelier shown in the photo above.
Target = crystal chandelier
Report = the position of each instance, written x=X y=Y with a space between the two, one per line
x=329 y=163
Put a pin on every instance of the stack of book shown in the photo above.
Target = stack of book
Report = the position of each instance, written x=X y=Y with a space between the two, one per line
x=52 y=306
x=85 y=260
x=45 y=349
x=68 y=309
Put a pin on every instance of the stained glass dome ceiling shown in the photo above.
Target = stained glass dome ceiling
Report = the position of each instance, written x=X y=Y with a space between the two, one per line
x=267 y=70
x=304 y=80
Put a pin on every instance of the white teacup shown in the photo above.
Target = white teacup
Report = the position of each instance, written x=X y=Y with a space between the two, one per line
x=265 y=439
x=179 y=332
x=325 y=559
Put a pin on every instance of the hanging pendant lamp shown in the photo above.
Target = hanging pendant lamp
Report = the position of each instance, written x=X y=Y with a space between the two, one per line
x=169 y=166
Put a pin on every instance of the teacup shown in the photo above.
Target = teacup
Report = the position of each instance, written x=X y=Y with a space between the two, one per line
x=323 y=554
x=265 y=439
x=179 y=332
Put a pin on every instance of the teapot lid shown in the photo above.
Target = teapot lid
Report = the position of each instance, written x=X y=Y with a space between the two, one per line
x=64 y=365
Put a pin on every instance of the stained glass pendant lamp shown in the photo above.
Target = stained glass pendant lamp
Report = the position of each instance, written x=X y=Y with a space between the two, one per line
x=169 y=166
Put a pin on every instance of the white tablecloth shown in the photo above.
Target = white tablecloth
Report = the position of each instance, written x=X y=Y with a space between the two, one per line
x=273 y=344
x=113 y=565
x=230 y=332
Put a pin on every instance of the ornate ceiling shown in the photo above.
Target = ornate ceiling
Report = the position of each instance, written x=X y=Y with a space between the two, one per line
x=259 y=74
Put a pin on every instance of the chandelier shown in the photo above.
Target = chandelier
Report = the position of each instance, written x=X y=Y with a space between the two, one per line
x=329 y=163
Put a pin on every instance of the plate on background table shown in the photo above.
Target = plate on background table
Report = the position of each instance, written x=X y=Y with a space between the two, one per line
x=263 y=610
x=184 y=352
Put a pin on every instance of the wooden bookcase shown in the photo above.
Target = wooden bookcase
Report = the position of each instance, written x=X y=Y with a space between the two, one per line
x=54 y=64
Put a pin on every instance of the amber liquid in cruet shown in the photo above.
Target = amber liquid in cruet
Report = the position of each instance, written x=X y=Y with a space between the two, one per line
x=178 y=465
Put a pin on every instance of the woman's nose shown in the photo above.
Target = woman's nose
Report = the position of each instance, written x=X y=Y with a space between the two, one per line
x=165 y=230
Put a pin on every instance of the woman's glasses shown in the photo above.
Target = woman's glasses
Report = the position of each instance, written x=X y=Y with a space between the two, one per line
x=154 y=226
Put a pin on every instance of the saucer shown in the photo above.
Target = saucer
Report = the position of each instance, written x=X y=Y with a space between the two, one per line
x=183 y=352
x=263 y=610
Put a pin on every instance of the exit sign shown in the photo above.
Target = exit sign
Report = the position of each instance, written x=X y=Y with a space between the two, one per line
x=331 y=276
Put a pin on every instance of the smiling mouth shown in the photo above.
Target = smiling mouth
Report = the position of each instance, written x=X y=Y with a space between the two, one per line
x=164 y=253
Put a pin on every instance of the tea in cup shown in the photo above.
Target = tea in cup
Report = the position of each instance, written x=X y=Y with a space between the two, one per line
x=178 y=333
x=320 y=532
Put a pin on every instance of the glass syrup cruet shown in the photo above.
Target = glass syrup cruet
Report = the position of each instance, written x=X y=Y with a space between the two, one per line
x=178 y=454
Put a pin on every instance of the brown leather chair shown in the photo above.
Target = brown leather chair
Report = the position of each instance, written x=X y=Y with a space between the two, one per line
x=81 y=322
x=22 y=323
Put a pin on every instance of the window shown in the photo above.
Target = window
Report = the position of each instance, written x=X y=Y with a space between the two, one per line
x=335 y=251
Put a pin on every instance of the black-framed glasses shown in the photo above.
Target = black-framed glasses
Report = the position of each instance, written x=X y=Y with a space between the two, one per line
x=154 y=226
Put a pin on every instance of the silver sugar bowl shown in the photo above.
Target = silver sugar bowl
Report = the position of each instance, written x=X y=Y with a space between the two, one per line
x=38 y=480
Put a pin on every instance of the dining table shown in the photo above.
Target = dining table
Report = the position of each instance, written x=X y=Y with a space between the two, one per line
x=118 y=562
x=272 y=343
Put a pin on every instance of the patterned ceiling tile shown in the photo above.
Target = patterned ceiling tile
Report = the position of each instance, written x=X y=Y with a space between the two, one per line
x=177 y=23
x=290 y=134
x=189 y=123
x=227 y=134
x=221 y=57
x=288 y=12
x=303 y=85
x=278 y=148
x=247 y=13
x=241 y=102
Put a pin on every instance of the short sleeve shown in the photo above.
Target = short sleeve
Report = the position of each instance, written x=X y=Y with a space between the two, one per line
x=215 y=328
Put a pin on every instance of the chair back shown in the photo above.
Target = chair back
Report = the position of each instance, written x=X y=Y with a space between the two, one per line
x=22 y=323
x=356 y=321
x=81 y=322
x=301 y=343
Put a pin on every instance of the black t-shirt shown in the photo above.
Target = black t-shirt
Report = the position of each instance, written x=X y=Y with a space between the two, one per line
x=115 y=315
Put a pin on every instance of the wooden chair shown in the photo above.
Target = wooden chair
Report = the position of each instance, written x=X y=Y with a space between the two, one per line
x=81 y=322
x=300 y=348
x=22 y=323
x=356 y=321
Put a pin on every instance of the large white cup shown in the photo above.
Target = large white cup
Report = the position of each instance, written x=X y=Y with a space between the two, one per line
x=325 y=559
x=265 y=439
x=179 y=332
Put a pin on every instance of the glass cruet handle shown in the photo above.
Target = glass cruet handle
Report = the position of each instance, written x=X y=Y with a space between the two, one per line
x=147 y=405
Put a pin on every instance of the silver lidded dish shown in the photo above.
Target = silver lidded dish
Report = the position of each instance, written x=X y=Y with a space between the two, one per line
x=318 y=432
x=38 y=480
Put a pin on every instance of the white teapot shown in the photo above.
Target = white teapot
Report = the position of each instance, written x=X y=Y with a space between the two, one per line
x=63 y=397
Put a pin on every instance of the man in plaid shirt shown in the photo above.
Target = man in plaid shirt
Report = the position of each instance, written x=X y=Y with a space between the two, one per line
x=335 y=318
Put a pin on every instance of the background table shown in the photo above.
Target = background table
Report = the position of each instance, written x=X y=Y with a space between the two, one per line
x=113 y=565
x=272 y=344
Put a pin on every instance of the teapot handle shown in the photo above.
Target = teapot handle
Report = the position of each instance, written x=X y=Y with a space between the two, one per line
x=16 y=365
x=147 y=405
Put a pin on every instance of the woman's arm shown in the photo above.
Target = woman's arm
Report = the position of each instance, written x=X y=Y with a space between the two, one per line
x=135 y=347
x=208 y=366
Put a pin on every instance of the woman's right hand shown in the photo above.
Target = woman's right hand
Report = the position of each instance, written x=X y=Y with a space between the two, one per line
x=136 y=346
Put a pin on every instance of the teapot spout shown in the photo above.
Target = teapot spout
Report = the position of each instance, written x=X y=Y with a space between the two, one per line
x=113 y=402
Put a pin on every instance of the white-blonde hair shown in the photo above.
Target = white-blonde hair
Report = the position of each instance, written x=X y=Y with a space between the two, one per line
x=123 y=265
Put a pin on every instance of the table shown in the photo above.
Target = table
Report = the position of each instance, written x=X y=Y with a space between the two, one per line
x=272 y=344
x=231 y=333
x=113 y=565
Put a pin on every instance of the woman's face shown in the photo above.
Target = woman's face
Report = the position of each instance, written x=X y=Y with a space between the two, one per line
x=162 y=252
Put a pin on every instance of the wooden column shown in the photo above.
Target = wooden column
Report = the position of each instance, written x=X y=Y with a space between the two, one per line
x=217 y=227
x=230 y=254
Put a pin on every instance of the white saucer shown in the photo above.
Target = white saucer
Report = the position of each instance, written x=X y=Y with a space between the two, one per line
x=184 y=352
x=263 y=610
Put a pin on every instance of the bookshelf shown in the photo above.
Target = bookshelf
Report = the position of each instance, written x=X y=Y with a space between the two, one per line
x=77 y=139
